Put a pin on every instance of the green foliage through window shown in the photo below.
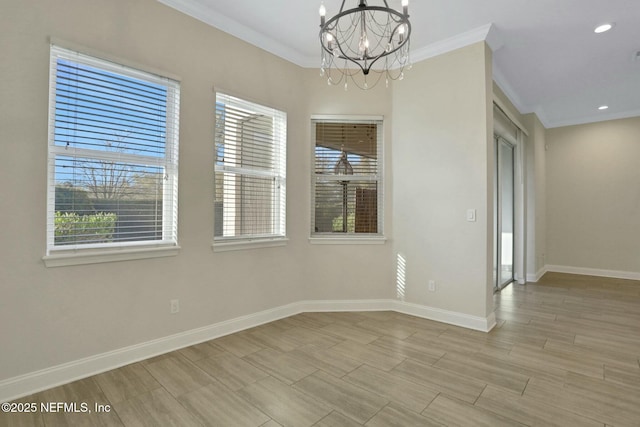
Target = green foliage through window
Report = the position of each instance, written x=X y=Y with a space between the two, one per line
x=71 y=228
x=336 y=223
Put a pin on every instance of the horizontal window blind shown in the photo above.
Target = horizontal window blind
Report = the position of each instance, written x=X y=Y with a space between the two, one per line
x=347 y=178
x=250 y=170
x=113 y=154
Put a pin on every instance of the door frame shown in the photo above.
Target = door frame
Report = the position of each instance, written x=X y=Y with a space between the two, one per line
x=498 y=283
x=512 y=130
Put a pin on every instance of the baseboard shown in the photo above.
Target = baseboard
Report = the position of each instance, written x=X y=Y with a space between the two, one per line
x=34 y=382
x=346 y=305
x=532 y=278
x=593 y=272
x=484 y=324
x=425 y=312
x=23 y=385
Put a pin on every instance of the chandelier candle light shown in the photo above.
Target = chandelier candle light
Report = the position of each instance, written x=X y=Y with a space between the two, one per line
x=365 y=43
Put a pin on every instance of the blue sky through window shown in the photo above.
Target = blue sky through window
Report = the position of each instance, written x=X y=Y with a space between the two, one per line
x=100 y=110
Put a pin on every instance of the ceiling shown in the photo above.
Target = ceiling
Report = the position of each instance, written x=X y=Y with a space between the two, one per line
x=547 y=58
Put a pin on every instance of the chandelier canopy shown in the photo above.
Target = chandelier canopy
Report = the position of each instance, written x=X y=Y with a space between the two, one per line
x=365 y=43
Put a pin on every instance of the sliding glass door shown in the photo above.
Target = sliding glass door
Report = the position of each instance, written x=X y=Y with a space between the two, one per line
x=504 y=213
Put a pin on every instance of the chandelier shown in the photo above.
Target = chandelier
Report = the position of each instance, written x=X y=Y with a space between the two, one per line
x=364 y=44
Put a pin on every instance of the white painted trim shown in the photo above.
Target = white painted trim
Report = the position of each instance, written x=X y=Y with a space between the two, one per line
x=452 y=43
x=34 y=382
x=425 y=312
x=240 y=245
x=616 y=274
x=533 y=278
x=341 y=118
x=493 y=38
x=512 y=95
x=213 y=17
x=509 y=91
x=445 y=316
x=592 y=119
x=210 y=16
x=345 y=305
x=510 y=115
x=81 y=257
x=356 y=240
x=116 y=60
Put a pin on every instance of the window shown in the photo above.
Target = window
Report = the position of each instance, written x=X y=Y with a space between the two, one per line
x=250 y=172
x=347 y=178
x=113 y=156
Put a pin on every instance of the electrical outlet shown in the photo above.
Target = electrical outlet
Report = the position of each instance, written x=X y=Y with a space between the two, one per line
x=432 y=286
x=471 y=215
x=175 y=306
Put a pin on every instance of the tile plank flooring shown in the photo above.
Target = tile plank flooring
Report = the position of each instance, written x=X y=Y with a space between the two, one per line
x=566 y=352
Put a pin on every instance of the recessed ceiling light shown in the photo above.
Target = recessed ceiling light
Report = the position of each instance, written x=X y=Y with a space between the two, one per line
x=603 y=28
x=603 y=107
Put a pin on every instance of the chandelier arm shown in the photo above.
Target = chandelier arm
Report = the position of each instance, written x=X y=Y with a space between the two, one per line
x=343 y=55
x=342 y=6
x=403 y=20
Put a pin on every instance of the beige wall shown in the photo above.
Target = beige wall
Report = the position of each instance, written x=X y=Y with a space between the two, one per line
x=536 y=197
x=438 y=164
x=593 y=202
x=331 y=271
x=51 y=316
x=442 y=160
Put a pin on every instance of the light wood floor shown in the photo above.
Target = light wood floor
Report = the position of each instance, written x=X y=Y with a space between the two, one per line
x=566 y=352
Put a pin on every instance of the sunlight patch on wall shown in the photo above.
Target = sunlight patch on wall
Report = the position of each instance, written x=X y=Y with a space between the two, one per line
x=401 y=274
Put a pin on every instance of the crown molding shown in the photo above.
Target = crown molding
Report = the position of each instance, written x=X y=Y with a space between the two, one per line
x=230 y=26
x=603 y=117
x=209 y=16
x=486 y=33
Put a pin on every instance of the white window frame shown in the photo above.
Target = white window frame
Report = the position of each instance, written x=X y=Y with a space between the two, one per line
x=349 y=238
x=77 y=254
x=278 y=173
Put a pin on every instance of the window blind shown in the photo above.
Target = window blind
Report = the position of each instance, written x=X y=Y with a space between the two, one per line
x=250 y=170
x=113 y=154
x=347 y=179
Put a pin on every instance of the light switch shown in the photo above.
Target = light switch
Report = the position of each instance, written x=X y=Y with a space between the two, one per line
x=471 y=215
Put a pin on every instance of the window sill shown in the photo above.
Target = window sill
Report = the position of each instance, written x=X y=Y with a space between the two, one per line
x=355 y=240
x=81 y=257
x=240 y=245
